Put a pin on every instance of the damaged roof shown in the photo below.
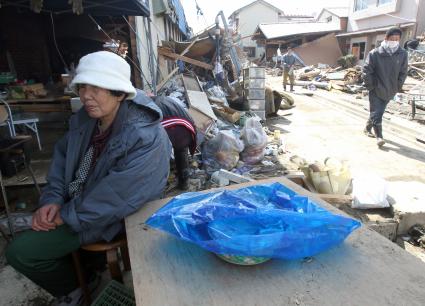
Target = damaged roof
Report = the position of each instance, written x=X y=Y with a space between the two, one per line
x=337 y=11
x=285 y=29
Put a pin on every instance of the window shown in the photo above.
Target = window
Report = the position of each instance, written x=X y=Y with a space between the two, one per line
x=381 y=2
x=358 y=50
x=250 y=51
x=329 y=19
x=360 y=5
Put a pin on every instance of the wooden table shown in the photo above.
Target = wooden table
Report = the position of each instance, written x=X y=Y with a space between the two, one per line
x=42 y=105
x=366 y=269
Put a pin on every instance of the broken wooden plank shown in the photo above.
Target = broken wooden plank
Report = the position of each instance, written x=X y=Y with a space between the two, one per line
x=191 y=83
x=165 y=80
x=310 y=186
x=183 y=58
x=227 y=113
x=199 y=100
x=323 y=85
x=336 y=198
x=417 y=69
x=234 y=177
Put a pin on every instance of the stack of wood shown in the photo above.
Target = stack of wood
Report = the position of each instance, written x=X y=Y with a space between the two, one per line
x=345 y=80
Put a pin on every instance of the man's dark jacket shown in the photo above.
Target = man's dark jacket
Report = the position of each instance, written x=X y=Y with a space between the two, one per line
x=384 y=74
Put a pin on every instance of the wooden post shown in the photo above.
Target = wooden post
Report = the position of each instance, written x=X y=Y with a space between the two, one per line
x=138 y=82
x=165 y=80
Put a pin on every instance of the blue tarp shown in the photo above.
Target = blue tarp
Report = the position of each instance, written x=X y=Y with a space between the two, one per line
x=182 y=23
x=263 y=220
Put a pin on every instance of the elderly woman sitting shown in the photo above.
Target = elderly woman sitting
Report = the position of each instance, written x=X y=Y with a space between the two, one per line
x=114 y=159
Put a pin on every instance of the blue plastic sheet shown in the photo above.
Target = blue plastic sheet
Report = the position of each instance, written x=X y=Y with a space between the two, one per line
x=262 y=220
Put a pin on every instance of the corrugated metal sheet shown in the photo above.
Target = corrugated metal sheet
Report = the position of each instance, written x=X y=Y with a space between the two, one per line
x=275 y=30
x=181 y=18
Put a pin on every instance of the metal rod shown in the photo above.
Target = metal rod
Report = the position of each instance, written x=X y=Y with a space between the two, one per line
x=6 y=205
x=28 y=166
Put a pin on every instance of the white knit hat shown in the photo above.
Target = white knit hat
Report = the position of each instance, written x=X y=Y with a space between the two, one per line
x=105 y=70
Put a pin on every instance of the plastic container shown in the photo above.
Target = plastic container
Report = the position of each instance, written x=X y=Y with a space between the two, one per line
x=261 y=114
x=6 y=78
x=255 y=94
x=254 y=73
x=257 y=104
x=115 y=294
x=255 y=83
x=333 y=181
x=243 y=260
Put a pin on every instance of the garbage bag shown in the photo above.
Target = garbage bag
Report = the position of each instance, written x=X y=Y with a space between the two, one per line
x=369 y=191
x=255 y=141
x=268 y=220
x=222 y=152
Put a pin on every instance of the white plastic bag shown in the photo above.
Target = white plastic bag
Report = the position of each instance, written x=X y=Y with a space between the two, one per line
x=369 y=191
x=255 y=141
x=222 y=151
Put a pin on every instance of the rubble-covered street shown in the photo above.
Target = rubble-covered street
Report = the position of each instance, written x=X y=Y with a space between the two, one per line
x=266 y=147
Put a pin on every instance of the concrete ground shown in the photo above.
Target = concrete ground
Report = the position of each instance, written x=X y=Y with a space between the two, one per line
x=327 y=125
x=315 y=129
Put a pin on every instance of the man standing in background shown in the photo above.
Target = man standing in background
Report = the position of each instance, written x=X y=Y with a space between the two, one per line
x=384 y=73
x=288 y=64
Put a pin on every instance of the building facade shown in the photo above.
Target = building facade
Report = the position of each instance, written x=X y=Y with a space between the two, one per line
x=335 y=15
x=368 y=21
x=167 y=22
x=245 y=21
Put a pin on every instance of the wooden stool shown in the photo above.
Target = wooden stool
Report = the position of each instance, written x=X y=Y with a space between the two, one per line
x=111 y=249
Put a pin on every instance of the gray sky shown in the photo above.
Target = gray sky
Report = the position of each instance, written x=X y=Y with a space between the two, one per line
x=211 y=8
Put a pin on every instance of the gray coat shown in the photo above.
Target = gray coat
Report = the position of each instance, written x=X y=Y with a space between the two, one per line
x=384 y=74
x=132 y=170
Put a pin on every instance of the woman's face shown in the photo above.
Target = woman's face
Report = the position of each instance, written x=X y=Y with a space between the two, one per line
x=98 y=102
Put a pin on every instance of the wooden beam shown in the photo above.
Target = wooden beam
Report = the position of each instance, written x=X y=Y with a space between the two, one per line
x=336 y=198
x=133 y=46
x=416 y=68
x=183 y=58
x=165 y=80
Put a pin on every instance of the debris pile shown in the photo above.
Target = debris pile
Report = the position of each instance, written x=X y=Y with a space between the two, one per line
x=348 y=80
x=416 y=53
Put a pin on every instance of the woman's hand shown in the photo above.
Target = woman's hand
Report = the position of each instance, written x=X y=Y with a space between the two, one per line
x=46 y=218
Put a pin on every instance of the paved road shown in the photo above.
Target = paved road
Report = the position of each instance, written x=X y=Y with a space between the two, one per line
x=316 y=129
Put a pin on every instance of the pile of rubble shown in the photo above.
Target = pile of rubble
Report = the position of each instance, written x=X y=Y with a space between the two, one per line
x=233 y=145
x=416 y=53
x=321 y=76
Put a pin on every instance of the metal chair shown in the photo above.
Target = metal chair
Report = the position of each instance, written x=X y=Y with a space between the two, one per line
x=10 y=120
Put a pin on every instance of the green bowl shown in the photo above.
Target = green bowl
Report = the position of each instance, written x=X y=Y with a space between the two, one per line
x=243 y=260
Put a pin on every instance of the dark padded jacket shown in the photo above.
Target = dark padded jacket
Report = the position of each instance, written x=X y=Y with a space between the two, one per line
x=384 y=74
x=131 y=171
